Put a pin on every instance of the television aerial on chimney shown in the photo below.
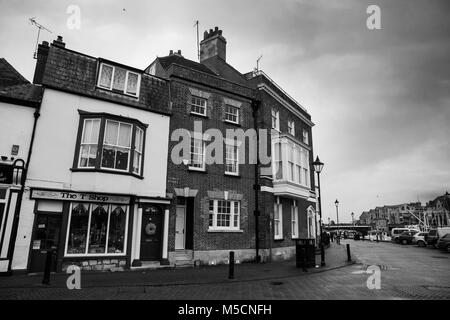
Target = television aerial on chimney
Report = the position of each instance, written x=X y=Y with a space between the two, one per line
x=40 y=27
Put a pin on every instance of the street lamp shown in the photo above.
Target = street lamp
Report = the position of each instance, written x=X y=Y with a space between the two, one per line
x=353 y=221
x=318 y=166
x=336 y=203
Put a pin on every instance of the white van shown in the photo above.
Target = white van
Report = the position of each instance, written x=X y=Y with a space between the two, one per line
x=435 y=234
x=396 y=232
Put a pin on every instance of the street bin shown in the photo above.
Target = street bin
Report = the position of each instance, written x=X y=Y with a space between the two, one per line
x=305 y=253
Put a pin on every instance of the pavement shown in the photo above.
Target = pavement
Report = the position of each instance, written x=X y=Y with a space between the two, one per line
x=405 y=272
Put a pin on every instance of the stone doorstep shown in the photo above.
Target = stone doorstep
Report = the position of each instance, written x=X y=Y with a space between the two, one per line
x=150 y=265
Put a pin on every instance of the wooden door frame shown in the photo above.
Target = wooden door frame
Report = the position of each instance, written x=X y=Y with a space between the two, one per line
x=184 y=232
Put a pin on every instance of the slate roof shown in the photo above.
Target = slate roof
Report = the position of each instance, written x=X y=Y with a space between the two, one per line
x=10 y=76
x=14 y=88
x=176 y=59
x=74 y=72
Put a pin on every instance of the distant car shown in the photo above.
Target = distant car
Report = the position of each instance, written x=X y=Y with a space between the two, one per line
x=357 y=236
x=420 y=239
x=396 y=232
x=435 y=234
x=406 y=237
x=444 y=243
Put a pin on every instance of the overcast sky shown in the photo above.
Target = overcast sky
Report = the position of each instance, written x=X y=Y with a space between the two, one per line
x=380 y=99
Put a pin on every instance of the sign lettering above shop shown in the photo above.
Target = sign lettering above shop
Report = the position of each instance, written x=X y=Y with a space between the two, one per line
x=78 y=196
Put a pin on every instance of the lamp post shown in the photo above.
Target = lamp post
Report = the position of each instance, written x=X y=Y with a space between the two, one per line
x=353 y=221
x=329 y=221
x=336 y=203
x=318 y=166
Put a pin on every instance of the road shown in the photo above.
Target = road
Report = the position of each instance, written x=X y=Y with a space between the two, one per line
x=406 y=272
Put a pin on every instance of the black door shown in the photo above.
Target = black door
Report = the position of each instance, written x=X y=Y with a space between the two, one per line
x=46 y=237
x=151 y=233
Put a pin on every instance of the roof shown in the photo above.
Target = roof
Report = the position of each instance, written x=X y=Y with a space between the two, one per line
x=14 y=88
x=76 y=73
x=167 y=61
x=10 y=76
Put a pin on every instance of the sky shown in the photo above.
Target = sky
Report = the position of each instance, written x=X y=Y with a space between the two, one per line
x=380 y=99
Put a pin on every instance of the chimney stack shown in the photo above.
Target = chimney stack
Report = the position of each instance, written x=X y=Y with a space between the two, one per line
x=59 y=42
x=42 y=54
x=213 y=44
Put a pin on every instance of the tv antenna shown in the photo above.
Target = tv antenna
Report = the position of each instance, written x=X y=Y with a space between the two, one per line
x=40 y=27
x=198 y=43
x=257 y=63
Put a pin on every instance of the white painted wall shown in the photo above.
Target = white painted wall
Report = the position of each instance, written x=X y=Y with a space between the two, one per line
x=55 y=143
x=16 y=126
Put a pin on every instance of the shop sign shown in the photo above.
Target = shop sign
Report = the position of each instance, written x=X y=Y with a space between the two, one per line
x=6 y=173
x=78 y=196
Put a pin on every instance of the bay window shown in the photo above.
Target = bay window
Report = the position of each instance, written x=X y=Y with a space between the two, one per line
x=294 y=160
x=278 y=220
x=118 y=79
x=224 y=215
x=96 y=229
x=110 y=143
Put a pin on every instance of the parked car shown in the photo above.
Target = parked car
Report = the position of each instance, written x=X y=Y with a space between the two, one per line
x=357 y=236
x=435 y=234
x=407 y=237
x=444 y=243
x=396 y=232
x=420 y=239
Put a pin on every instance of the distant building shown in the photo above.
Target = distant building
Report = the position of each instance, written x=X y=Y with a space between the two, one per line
x=437 y=211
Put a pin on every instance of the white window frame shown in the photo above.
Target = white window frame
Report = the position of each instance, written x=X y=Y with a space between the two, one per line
x=87 y=254
x=276 y=117
x=231 y=114
x=294 y=220
x=117 y=146
x=305 y=137
x=236 y=148
x=90 y=144
x=138 y=85
x=233 y=214
x=198 y=105
x=140 y=153
x=291 y=127
x=4 y=213
x=278 y=208
x=291 y=162
x=203 y=167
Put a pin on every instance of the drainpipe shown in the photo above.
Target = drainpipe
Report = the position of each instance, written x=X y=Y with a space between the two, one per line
x=257 y=186
x=15 y=225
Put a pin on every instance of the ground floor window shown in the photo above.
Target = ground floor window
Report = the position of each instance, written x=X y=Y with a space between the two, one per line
x=224 y=215
x=294 y=219
x=278 y=220
x=96 y=229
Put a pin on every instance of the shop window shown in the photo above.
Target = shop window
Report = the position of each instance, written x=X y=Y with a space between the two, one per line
x=111 y=144
x=96 y=229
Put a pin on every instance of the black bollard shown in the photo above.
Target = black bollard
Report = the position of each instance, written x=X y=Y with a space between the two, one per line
x=231 y=266
x=322 y=256
x=48 y=267
x=349 y=257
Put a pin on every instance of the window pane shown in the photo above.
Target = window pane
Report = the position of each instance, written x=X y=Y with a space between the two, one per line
x=84 y=156
x=87 y=131
x=108 y=157
x=111 y=132
x=137 y=162
x=97 y=234
x=116 y=238
x=119 y=79
x=122 y=158
x=132 y=83
x=105 y=77
x=125 y=135
x=139 y=139
x=78 y=229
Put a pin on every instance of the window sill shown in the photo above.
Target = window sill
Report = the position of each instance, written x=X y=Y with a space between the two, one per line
x=107 y=171
x=224 y=231
x=278 y=239
x=197 y=169
x=230 y=174
x=199 y=115
x=231 y=122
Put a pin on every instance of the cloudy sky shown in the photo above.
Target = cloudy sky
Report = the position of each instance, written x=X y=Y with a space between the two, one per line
x=380 y=99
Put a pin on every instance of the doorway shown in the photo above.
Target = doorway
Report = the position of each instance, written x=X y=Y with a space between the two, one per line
x=151 y=233
x=180 y=228
x=46 y=236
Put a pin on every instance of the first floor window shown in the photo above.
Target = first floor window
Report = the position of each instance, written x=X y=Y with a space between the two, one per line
x=305 y=137
x=275 y=119
x=294 y=219
x=198 y=105
x=224 y=214
x=118 y=79
x=231 y=159
x=291 y=127
x=231 y=113
x=278 y=220
x=96 y=229
x=197 y=154
x=107 y=144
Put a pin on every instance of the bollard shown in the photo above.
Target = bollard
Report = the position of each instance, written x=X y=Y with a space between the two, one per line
x=48 y=267
x=231 y=266
x=322 y=256
x=349 y=257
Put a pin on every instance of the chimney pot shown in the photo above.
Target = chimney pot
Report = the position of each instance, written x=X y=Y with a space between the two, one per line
x=216 y=29
x=45 y=43
x=171 y=52
x=59 y=42
x=179 y=52
x=205 y=35
x=210 y=32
